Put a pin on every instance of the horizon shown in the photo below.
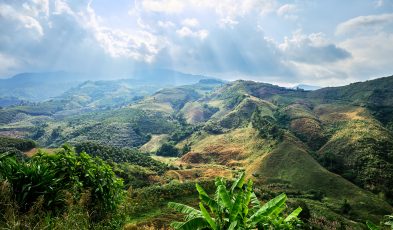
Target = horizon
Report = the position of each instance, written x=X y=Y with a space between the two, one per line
x=288 y=42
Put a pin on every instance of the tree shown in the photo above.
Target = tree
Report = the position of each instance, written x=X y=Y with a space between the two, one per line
x=235 y=208
x=168 y=150
x=266 y=125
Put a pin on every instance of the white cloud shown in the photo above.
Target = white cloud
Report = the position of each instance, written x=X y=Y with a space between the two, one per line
x=165 y=24
x=287 y=11
x=313 y=48
x=222 y=38
x=365 y=24
x=372 y=55
x=190 y=22
x=8 y=64
x=187 y=32
x=20 y=22
x=227 y=22
x=37 y=7
x=163 y=6
x=369 y=40
x=69 y=36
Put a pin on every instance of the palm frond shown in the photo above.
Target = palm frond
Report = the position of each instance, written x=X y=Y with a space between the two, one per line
x=192 y=224
x=293 y=214
x=207 y=216
x=270 y=207
x=190 y=211
x=371 y=225
x=238 y=183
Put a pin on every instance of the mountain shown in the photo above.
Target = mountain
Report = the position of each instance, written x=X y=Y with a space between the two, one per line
x=307 y=87
x=329 y=148
x=37 y=87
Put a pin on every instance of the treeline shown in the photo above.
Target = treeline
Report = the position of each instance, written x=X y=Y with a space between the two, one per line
x=19 y=144
x=121 y=155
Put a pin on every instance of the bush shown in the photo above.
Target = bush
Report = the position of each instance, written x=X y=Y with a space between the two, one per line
x=19 y=144
x=51 y=176
x=168 y=150
x=121 y=155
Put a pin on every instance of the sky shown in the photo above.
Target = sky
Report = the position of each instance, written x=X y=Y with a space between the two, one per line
x=325 y=43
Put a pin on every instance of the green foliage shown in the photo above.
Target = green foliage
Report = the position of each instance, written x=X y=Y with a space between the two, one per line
x=120 y=155
x=168 y=150
x=345 y=207
x=133 y=175
x=49 y=176
x=362 y=152
x=235 y=208
x=186 y=148
x=388 y=221
x=182 y=133
x=19 y=144
x=266 y=125
x=30 y=180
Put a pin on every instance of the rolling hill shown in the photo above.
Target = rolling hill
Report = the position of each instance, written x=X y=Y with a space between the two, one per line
x=325 y=147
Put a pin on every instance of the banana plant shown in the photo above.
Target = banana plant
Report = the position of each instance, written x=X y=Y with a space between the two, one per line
x=235 y=208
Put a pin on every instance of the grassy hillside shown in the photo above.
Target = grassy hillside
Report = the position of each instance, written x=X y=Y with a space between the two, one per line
x=290 y=164
x=331 y=148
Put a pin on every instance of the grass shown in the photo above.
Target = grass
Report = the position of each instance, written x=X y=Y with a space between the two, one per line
x=238 y=147
x=290 y=162
x=154 y=143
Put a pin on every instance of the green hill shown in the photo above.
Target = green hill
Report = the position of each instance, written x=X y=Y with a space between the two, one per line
x=329 y=148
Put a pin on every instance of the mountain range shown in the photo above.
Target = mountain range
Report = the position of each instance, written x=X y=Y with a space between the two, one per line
x=326 y=146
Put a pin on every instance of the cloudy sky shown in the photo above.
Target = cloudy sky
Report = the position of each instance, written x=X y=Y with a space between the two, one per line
x=316 y=42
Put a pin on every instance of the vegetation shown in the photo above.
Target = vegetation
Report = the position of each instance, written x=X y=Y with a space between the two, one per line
x=266 y=125
x=388 y=221
x=120 y=155
x=235 y=208
x=329 y=150
x=52 y=177
x=168 y=150
x=19 y=144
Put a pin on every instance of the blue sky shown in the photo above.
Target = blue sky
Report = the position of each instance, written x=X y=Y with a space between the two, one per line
x=315 y=42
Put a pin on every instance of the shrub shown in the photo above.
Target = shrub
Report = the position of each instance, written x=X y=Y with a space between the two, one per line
x=19 y=144
x=121 y=155
x=49 y=176
x=168 y=150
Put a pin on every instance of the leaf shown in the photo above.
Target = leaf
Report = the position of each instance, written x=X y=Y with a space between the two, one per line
x=212 y=204
x=371 y=225
x=207 y=216
x=224 y=197
x=236 y=208
x=232 y=226
x=190 y=211
x=247 y=198
x=238 y=183
x=256 y=205
x=192 y=224
x=268 y=208
x=293 y=214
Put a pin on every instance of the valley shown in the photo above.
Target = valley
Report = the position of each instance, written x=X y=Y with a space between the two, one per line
x=330 y=150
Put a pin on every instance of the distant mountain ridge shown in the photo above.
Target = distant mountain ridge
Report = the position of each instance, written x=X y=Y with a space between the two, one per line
x=307 y=87
x=43 y=86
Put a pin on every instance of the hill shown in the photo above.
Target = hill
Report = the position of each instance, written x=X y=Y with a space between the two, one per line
x=327 y=147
